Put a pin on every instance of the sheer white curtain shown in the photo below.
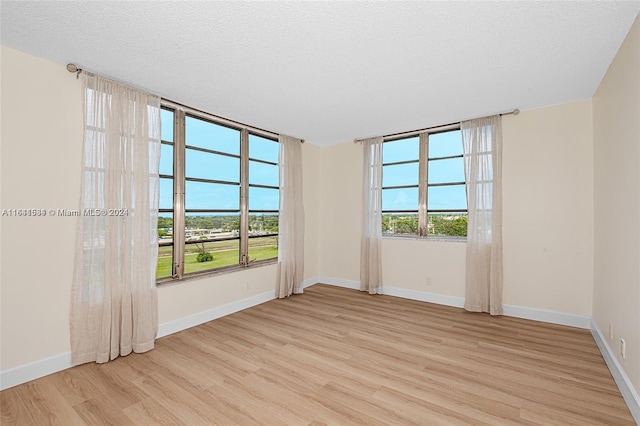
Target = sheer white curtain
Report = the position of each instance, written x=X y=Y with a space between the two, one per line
x=482 y=141
x=291 y=219
x=114 y=304
x=370 y=248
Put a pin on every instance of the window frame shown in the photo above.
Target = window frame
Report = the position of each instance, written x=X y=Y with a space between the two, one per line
x=423 y=184
x=179 y=210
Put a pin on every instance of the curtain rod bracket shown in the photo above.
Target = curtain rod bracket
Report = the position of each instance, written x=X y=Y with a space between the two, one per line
x=514 y=112
x=75 y=69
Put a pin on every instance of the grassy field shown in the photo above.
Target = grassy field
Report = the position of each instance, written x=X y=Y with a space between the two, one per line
x=225 y=253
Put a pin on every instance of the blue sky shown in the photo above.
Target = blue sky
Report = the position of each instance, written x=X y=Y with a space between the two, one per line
x=201 y=195
x=204 y=165
x=450 y=170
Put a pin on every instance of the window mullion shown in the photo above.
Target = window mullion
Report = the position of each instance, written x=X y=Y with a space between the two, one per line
x=244 y=198
x=178 y=195
x=422 y=184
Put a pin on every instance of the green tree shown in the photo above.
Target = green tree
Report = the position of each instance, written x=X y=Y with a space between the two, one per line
x=454 y=226
x=165 y=222
x=203 y=255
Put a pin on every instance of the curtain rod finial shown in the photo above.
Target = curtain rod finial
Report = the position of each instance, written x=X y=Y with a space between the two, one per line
x=75 y=69
x=516 y=111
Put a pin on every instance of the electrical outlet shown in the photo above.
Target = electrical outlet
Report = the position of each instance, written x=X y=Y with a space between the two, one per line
x=427 y=280
x=623 y=348
x=610 y=331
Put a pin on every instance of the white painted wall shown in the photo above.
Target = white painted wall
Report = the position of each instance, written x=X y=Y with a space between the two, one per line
x=548 y=219
x=41 y=142
x=311 y=164
x=41 y=134
x=548 y=213
x=340 y=210
x=616 y=116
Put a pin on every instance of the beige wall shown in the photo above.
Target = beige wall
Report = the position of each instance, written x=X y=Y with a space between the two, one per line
x=616 y=124
x=41 y=131
x=548 y=217
x=41 y=139
x=311 y=188
x=340 y=210
x=548 y=213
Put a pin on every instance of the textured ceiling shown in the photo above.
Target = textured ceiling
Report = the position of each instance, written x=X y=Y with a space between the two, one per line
x=330 y=72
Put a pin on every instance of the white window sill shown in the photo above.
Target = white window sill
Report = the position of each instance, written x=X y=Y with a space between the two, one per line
x=415 y=237
x=216 y=272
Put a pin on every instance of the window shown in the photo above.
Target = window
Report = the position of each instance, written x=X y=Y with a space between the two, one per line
x=423 y=185
x=219 y=196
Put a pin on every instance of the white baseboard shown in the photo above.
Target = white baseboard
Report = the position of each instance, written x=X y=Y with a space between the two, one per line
x=440 y=299
x=34 y=370
x=25 y=373
x=544 y=315
x=554 y=317
x=180 y=324
x=338 y=282
x=627 y=390
x=310 y=281
x=562 y=318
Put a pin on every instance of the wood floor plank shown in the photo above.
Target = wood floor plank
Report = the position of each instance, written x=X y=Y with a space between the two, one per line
x=297 y=396
x=187 y=407
x=46 y=405
x=12 y=410
x=101 y=411
x=150 y=412
x=334 y=356
x=114 y=380
x=75 y=385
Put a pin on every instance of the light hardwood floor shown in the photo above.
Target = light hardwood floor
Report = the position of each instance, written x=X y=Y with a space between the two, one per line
x=338 y=356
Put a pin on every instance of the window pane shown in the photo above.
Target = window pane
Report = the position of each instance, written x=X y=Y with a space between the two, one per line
x=263 y=149
x=445 y=144
x=264 y=199
x=444 y=171
x=452 y=197
x=211 y=136
x=401 y=150
x=165 y=242
x=447 y=224
x=400 y=224
x=211 y=255
x=166 y=118
x=263 y=223
x=165 y=227
x=263 y=174
x=200 y=195
x=166 y=159
x=400 y=199
x=199 y=226
x=263 y=248
x=166 y=193
x=204 y=165
x=400 y=174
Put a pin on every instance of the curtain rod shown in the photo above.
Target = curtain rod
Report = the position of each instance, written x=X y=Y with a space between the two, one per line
x=73 y=68
x=418 y=131
x=226 y=120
